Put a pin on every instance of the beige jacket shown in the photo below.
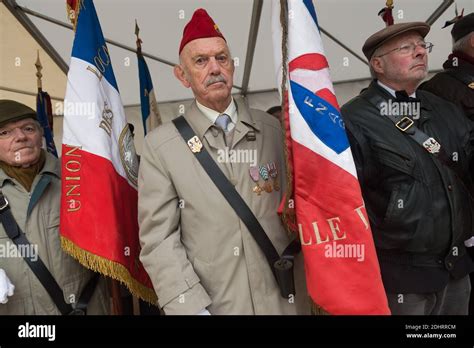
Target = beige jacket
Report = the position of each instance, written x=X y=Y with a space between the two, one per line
x=37 y=214
x=197 y=251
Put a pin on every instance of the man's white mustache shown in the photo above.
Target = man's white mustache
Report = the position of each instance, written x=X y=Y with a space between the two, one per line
x=215 y=79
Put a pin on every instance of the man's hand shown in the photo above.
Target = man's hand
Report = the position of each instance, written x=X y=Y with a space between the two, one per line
x=6 y=287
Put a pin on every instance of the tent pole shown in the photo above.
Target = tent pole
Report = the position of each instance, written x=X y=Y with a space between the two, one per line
x=112 y=42
x=439 y=11
x=23 y=19
x=343 y=45
x=254 y=24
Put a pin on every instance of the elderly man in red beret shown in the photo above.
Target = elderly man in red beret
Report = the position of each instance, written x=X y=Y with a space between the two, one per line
x=413 y=152
x=198 y=251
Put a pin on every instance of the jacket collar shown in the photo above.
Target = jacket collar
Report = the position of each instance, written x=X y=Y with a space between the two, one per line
x=463 y=61
x=212 y=114
x=202 y=125
x=245 y=117
x=391 y=90
x=375 y=90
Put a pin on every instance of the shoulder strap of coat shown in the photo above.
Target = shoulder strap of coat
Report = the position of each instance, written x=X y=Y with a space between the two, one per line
x=407 y=126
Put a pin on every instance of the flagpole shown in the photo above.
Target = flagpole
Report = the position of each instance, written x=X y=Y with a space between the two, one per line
x=44 y=110
x=117 y=307
x=39 y=75
x=288 y=214
x=150 y=119
x=139 y=41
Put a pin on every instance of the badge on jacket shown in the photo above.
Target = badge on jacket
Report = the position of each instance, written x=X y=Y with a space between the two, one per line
x=195 y=144
x=431 y=145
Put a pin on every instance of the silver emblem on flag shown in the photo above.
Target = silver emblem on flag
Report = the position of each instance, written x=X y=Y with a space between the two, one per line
x=128 y=155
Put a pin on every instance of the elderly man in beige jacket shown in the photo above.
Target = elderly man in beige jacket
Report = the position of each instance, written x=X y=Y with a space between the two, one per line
x=199 y=254
x=30 y=190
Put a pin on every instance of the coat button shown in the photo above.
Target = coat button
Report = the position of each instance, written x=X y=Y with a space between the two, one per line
x=449 y=265
x=450 y=187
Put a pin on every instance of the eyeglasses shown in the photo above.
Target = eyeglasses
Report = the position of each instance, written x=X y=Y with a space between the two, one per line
x=408 y=49
x=28 y=129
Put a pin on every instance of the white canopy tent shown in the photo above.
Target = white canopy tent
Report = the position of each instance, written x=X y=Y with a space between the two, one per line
x=28 y=25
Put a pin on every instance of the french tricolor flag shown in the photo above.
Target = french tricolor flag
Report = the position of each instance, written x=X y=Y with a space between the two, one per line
x=98 y=221
x=342 y=270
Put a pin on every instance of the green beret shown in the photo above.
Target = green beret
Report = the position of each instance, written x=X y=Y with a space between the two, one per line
x=12 y=111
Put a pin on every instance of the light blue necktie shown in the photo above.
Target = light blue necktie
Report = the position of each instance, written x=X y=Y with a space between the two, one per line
x=223 y=121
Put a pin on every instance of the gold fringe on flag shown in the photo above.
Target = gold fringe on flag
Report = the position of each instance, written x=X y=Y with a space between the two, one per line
x=317 y=310
x=110 y=269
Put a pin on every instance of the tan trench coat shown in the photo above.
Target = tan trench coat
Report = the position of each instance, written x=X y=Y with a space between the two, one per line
x=37 y=214
x=197 y=251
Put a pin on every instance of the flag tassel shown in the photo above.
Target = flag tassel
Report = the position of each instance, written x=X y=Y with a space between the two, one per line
x=109 y=268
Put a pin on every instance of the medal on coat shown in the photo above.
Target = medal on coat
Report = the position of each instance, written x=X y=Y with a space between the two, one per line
x=273 y=172
x=253 y=171
x=264 y=174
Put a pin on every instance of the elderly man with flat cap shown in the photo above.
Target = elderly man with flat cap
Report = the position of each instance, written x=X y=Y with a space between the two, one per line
x=36 y=276
x=413 y=152
x=456 y=82
x=196 y=248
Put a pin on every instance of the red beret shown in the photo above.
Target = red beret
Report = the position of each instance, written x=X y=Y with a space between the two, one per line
x=199 y=27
